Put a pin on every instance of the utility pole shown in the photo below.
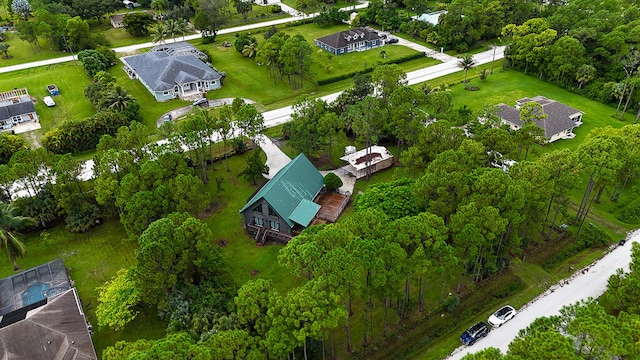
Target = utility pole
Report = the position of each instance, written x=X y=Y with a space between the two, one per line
x=64 y=37
x=494 y=57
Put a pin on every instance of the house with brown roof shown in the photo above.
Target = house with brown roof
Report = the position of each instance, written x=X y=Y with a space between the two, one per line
x=358 y=39
x=116 y=19
x=559 y=123
x=41 y=316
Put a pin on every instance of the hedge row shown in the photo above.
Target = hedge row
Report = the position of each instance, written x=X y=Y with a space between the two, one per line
x=369 y=69
x=74 y=136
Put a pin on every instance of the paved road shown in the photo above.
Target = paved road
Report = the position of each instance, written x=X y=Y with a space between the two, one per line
x=282 y=115
x=582 y=285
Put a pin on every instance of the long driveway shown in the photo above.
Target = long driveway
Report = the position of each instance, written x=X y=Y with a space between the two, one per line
x=588 y=282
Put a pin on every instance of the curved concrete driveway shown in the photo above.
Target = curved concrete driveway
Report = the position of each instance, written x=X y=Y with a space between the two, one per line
x=176 y=113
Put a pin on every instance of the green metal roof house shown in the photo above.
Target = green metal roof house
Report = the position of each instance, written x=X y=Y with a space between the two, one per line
x=284 y=205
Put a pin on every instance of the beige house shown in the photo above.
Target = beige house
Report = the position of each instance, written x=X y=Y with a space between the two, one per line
x=375 y=158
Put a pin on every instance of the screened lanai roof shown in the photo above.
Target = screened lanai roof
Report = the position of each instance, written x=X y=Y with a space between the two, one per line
x=33 y=285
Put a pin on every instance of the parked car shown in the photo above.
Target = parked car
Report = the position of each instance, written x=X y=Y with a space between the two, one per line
x=167 y=117
x=48 y=100
x=474 y=333
x=501 y=316
x=201 y=102
x=391 y=40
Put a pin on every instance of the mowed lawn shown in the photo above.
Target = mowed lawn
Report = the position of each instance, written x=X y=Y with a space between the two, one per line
x=70 y=78
x=507 y=86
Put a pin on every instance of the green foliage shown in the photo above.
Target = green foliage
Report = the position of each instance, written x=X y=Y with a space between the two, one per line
x=11 y=225
x=592 y=236
x=396 y=199
x=451 y=303
x=93 y=61
x=275 y=8
x=255 y=168
x=398 y=60
x=74 y=136
x=630 y=212
x=137 y=23
x=242 y=40
x=117 y=300
x=9 y=145
x=332 y=181
x=177 y=251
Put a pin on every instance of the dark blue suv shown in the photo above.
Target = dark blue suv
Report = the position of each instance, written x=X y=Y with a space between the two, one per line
x=474 y=333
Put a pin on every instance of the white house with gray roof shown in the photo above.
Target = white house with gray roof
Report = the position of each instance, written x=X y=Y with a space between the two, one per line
x=558 y=124
x=357 y=39
x=172 y=71
x=16 y=106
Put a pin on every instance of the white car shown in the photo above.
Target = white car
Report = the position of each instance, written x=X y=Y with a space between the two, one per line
x=501 y=316
x=48 y=100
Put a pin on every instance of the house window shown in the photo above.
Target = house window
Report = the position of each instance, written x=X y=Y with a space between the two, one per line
x=274 y=225
x=273 y=213
x=167 y=92
x=258 y=221
x=258 y=209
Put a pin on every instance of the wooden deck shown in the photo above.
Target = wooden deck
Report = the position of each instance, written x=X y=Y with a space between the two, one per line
x=331 y=206
x=13 y=94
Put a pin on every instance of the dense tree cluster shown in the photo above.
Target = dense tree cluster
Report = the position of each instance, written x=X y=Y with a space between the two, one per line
x=581 y=45
x=286 y=55
x=179 y=270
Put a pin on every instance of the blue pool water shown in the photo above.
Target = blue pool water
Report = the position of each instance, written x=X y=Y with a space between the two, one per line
x=35 y=293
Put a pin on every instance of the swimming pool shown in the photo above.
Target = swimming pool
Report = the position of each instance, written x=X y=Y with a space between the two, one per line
x=36 y=292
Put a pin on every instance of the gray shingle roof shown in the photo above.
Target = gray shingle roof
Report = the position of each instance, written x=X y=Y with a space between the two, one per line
x=560 y=117
x=6 y=112
x=162 y=72
x=57 y=330
x=344 y=38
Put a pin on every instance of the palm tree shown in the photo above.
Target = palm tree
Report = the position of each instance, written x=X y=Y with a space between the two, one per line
x=117 y=99
x=159 y=34
x=9 y=236
x=4 y=47
x=183 y=26
x=466 y=62
x=172 y=28
x=159 y=6
x=250 y=49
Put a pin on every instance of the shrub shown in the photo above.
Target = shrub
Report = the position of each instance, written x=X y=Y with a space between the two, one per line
x=275 y=8
x=369 y=69
x=332 y=181
x=592 y=236
x=630 y=213
x=208 y=39
x=239 y=146
x=451 y=303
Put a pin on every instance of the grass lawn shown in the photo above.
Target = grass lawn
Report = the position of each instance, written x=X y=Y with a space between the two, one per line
x=91 y=259
x=70 y=104
x=22 y=52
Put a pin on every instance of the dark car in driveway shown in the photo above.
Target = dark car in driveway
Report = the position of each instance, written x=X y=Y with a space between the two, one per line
x=474 y=333
x=391 y=41
x=202 y=102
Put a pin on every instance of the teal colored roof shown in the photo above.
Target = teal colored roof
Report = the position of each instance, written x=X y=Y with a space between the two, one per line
x=304 y=212
x=297 y=181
